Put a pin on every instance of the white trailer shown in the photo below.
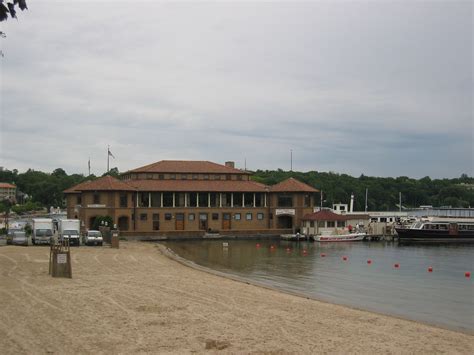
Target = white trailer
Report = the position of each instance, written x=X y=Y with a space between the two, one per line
x=69 y=229
x=42 y=231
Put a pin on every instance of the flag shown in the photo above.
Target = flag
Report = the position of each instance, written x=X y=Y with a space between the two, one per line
x=110 y=154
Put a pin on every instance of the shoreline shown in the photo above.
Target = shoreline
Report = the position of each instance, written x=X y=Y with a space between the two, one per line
x=136 y=299
x=171 y=254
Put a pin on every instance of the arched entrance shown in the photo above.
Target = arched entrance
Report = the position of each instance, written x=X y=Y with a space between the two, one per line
x=123 y=223
x=285 y=222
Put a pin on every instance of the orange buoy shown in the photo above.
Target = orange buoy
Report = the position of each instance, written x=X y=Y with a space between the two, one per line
x=467 y=274
x=344 y=258
x=258 y=245
x=288 y=249
x=430 y=269
x=323 y=255
x=396 y=266
x=304 y=251
x=369 y=261
x=272 y=247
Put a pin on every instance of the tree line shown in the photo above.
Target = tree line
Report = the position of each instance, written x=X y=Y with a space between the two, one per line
x=46 y=189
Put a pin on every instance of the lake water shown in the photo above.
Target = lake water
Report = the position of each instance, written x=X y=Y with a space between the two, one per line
x=443 y=297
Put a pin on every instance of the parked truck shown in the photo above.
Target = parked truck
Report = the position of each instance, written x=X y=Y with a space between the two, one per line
x=69 y=230
x=42 y=231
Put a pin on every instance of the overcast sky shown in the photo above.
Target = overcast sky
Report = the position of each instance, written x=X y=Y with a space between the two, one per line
x=379 y=88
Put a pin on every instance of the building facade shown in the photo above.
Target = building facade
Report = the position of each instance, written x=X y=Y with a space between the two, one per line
x=185 y=198
x=7 y=191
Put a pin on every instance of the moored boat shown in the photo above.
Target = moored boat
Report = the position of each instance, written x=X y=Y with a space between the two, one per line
x=350 y=237
x=293 y=237
x=441 y=230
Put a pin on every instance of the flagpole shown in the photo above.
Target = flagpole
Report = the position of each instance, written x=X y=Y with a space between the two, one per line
x=108 y=157
x=89 y=166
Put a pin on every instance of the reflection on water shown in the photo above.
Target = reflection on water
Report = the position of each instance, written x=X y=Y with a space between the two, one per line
x=444 y=296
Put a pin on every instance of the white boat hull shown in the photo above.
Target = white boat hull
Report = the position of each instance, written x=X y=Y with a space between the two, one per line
x=351 y=237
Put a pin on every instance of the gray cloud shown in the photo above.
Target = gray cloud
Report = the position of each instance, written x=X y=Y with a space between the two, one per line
x=380 y=88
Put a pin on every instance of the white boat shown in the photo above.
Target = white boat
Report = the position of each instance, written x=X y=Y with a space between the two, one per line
x=350 y=237
x=296 y=236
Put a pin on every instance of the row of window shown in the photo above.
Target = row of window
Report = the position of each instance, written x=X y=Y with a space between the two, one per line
x=202 y=216
x=151 y=176
x=326 y=224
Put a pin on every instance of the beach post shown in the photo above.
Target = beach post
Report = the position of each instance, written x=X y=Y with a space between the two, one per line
x=115 y=239
x=60 y=259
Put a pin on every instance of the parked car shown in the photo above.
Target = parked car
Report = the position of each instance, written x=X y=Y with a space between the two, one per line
x=93 y=237
x=10 y=235
x=19 y=238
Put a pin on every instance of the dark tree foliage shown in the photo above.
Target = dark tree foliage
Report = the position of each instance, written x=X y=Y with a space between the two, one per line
x=44 y=188
x=7 y=8
x=383 y=193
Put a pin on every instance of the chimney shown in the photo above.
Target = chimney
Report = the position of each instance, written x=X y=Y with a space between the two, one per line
x=230 y=164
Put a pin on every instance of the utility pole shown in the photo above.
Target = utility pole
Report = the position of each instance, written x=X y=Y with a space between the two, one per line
x=400 y=201
x=366 y=193
x=108 y=157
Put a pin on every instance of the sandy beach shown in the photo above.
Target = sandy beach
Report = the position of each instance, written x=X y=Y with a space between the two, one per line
x=137 y=300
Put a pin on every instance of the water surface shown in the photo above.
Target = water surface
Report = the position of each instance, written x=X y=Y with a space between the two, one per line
x=443 y=297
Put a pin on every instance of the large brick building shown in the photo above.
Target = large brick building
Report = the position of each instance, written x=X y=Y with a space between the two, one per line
x=185 y=198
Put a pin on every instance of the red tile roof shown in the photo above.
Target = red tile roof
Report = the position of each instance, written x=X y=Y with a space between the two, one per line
x=198 y=185
x=292 y=185
x=6 y=185
x=187 y=166
x=105 y=183
x=324 y=215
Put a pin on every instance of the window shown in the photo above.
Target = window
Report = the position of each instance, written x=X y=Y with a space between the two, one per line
x=96 y=198
x=143 y=199
x=285 y=201
x=228 y=177
x=331 y=224
x=237 y=200
x=192 y=199
x=321 y=224
x=311 y=224
x=134 y=176
x=156 y=216
x=79 y=199
x=258 y=199
x=341 y=223
x=260 y=216
x=173 y=176
x=248 y=199
x=195 y=176
x=191 y=217
x=179 y=199
x=149 y=176
x=239 y=177
x=167 y=199
x=215 y=216
x=214 y=199
x=203 y=199
x=161 y=176
x=237 y=216
x=307 y=201
x=226 y=199
x=155 y=199
x=248 y=216
x=123 y=200
x=206 y=177
x=168 y=216
x=143 y=216
x=184 y=176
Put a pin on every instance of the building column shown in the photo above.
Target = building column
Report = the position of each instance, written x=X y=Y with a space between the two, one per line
x=243 y=199
x=265 y=199
x=254 y=204
x=161 y=200
x=209 y=199
x=136 y=202
x=197 y=199
x=149 y=200
x=231 y=199
x=220 y=199
x=174 y=199
x=185 y=199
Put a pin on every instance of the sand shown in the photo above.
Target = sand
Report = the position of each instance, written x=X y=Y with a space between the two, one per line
x=137 y=300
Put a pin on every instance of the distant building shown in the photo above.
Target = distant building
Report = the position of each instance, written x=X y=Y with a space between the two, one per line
x=7 y=191
x=189 y=198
